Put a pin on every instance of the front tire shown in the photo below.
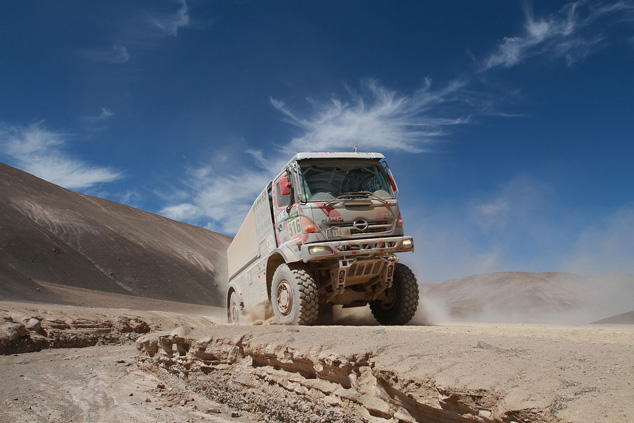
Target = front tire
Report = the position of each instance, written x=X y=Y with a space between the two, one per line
x=401 y=300
x=294 y=295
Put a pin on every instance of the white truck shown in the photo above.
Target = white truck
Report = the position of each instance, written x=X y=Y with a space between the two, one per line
x=324 y=232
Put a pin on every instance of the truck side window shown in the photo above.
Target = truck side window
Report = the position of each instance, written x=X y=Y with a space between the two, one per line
x=282 y=200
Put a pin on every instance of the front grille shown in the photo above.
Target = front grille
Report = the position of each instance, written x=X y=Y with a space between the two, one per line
x=376 y=227
x=361 y=246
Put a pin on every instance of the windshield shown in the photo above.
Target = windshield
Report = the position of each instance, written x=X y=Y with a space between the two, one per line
x=324 y=180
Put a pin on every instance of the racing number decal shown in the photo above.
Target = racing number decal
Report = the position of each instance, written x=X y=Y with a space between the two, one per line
x=295 y=228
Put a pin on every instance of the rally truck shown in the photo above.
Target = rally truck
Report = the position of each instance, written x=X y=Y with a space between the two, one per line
x=324 y=232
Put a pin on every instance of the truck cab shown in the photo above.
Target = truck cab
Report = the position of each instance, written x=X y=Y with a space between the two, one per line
x=325 y=231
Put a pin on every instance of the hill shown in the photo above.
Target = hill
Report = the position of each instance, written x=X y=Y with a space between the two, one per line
x=52 y=236
x=533 y=297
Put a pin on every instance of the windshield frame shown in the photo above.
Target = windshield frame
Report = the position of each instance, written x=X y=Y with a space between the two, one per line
x=346 y=165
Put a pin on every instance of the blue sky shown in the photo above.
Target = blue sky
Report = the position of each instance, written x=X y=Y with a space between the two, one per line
x=508 y=125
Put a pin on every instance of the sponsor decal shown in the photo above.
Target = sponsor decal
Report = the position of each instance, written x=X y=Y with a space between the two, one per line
x=281 y=215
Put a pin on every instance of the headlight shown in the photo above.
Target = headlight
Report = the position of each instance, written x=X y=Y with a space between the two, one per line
x=319 y=250
x=407 y=243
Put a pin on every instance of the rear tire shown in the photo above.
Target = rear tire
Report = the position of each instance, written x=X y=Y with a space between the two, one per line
x=234 y=310
x=294 y=295
x=402 y=299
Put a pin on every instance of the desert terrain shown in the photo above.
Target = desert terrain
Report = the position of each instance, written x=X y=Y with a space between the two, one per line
x=112 y=314
x=91 y=364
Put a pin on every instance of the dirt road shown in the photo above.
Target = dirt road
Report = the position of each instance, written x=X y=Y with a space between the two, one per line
x=204 y=371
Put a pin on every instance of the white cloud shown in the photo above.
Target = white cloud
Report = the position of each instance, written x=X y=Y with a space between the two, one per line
x=130 y=198
x=561 y=35
x=168 y=24
x=117 y=54
x=448 y=245
x=514 y=203
x=143 y=30
x=519 y=226
x=184 y=211
x=219 y=202
x=104 y=115
x=377 y=118
x=605 y=247
x=39 y=151
x=512 y=227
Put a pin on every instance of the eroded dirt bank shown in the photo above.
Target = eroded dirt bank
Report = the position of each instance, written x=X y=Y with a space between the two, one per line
x=29 y=327
x=451 y=373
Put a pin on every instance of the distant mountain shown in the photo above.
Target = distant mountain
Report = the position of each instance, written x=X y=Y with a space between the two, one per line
x=619 y=319
x=50 y=234
x=533 y=297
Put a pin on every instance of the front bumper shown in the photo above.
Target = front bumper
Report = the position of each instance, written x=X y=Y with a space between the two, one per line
x=359 y=247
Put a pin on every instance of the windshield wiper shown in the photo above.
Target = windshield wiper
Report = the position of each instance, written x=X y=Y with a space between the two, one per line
x=354 y=196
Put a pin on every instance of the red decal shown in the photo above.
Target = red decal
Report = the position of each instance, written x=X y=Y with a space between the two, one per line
x=329 y=210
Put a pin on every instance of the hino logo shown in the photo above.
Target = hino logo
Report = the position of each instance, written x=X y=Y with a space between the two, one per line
x=360 y=225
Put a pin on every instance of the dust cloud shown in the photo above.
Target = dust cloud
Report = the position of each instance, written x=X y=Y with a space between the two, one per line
x=522 y=297
x=505 y=297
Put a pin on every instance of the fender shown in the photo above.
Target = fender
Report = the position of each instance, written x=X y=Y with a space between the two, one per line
x=233 y=286
x=282 y=255
x=290 y=253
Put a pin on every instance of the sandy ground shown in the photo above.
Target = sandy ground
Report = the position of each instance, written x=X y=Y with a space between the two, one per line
x=95 y=384
x=192 y=368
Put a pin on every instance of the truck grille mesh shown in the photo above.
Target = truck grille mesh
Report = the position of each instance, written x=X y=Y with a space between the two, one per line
x=377 y=227
x=360 y=246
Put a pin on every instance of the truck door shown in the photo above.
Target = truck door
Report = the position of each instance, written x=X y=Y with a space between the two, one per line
x=287 y=222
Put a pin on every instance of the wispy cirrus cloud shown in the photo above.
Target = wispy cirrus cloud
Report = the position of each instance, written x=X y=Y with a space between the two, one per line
x=570 y=33
x=118 y=54
x=218 y=202
x=168 y=24
x=376 y=117
x=40 y=151
x=146 y=28
x=104 y=115
x=96 y=123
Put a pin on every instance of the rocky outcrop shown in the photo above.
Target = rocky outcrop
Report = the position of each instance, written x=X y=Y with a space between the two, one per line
x=37 y=333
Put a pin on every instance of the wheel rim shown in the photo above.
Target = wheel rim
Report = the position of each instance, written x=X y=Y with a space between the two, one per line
x=234 y=312
x=284 y=298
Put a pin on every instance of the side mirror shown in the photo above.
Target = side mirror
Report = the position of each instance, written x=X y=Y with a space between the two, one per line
x=285 y=185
